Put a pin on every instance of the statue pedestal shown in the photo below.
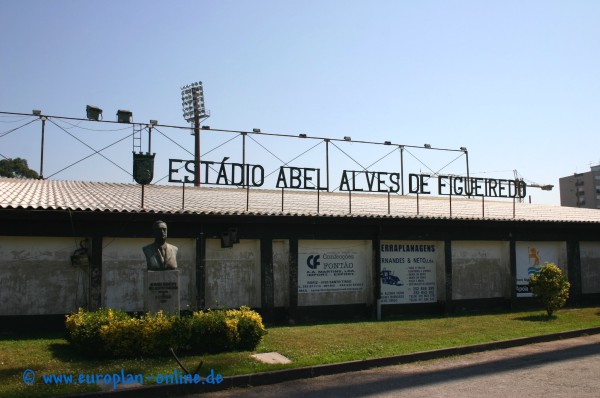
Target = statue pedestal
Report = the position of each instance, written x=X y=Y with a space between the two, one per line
x=162 y=292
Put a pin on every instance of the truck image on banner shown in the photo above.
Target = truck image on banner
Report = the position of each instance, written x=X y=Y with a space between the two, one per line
x=408 y=272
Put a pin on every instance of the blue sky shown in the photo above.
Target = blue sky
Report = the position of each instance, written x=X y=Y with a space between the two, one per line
x=515 y=82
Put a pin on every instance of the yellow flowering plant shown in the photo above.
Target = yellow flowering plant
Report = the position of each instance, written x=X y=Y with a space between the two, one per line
x=114 y=333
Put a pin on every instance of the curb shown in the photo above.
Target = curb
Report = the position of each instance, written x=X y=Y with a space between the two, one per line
x=279 y=376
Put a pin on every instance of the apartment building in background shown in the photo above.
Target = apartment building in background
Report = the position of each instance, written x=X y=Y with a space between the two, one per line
x=581 y=189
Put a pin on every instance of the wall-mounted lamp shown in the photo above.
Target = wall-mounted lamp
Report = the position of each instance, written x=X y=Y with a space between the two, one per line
x=387 y=143
x=205 y=127
x=229 y=238
x=80 y=257
x=124 y=116
x=93 y=112
x=347 y=138
x=36 y=112
x=302 y=135
x=256 y=130
x=427 y=146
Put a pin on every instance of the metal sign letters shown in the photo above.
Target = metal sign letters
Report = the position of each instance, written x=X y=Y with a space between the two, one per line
x=253 y=175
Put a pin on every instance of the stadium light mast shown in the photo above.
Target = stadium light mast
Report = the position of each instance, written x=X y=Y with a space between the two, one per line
x=192 y=102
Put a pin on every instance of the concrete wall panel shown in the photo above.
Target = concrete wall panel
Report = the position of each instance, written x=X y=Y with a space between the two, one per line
x=590 y=267
x=124 y=265
x=480 y=269
x=233 y=274
x=37 y=278
x=281 y=272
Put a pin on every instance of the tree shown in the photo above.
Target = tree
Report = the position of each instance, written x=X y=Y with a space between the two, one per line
x=16 y=168
x=551 y=287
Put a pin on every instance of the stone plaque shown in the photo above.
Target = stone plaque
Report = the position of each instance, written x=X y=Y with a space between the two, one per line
x=162 y=292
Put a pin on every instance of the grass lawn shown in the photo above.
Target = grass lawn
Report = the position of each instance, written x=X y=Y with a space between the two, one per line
x=305 y=345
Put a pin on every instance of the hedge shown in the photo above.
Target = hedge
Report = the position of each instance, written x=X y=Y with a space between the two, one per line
x=114 y=334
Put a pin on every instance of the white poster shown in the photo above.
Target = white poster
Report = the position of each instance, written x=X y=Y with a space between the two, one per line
x=331 y=266
x=408 y=272
x=530 y=257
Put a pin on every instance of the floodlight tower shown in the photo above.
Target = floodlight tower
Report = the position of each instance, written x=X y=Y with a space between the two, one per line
x=192 y=102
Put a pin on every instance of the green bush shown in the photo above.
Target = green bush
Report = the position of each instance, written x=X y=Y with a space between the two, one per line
x=115 y=334
x=551 y=287
x=83 y=329
x=210 y=332
x=249 y=327
x=121 y=338
x=150 y=335
x=226 y=330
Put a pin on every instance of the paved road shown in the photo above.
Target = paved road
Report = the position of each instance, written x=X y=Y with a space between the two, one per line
x=564 y=368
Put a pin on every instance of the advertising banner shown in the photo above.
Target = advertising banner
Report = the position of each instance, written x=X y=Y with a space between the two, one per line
x=331 y=266
x=530 y=257
x=408 y=272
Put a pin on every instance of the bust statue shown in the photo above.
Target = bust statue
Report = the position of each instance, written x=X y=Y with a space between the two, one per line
x=160 y=255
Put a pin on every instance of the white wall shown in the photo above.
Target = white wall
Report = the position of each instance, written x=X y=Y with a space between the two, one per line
x=36 y=276
x=281 y=272
x=124 y=265
x=233 y=274
x=590 y=267
x=480 y=269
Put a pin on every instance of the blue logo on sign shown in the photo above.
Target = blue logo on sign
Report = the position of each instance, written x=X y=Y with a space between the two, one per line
x=313 y=262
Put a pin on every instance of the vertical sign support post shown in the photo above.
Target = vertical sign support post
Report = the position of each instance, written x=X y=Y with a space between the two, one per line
x=42 y=149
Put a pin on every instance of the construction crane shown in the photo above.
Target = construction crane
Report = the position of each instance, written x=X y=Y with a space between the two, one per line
x=543 y=187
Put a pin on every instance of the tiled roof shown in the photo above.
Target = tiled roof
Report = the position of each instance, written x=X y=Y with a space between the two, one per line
x=95 y=196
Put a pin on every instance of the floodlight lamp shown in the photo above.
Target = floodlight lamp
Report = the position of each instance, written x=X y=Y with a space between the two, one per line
x=462 y=148
x=256 y=130
x=205 y=127
x=153 y=122
x=93 y=112
x=124 y=116
x=36 y=112
x=387 y=143
x=347 y=138
x=302 y=135
x=427 y=146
